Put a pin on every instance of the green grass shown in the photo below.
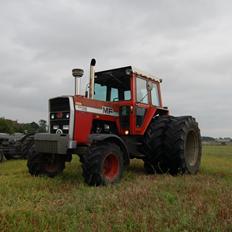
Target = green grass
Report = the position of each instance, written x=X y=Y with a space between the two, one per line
x=138 y=203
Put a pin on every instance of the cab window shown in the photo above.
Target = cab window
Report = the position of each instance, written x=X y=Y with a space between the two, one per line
x=112 y=85
x=100 y=92
x=141 y=90
x=155 y=95
x=114 y=94
x=127 y=95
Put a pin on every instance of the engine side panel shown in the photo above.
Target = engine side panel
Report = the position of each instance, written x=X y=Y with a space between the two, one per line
x=83 y=125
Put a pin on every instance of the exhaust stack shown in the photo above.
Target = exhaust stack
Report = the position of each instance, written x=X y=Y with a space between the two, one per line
x=91 y=78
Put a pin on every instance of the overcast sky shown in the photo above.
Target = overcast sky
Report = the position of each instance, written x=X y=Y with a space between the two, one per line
x=187 y=43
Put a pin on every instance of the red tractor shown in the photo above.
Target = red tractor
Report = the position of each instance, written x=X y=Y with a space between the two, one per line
x=120 y=117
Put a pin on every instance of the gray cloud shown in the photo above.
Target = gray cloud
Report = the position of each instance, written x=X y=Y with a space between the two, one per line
x=187 y=43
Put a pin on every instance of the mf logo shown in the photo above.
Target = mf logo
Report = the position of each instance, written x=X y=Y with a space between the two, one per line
x=59 y=131
x=107 y=110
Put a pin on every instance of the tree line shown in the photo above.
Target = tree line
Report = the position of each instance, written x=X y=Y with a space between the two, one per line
x=9 y=126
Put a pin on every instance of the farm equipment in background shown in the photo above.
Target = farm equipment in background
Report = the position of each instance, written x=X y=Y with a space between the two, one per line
x=1 y=156
x=120 y=117
x=3 y=138
x=15 y=146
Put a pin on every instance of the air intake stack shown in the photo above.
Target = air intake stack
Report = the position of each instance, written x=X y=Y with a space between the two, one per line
x=77 y=73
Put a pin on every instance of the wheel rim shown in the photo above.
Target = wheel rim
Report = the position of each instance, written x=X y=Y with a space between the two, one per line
x=51 y=165
x=192 y=148
x=111 y=167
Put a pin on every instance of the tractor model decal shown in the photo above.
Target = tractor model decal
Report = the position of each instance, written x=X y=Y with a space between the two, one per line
x=107 y=110
x=104 y=110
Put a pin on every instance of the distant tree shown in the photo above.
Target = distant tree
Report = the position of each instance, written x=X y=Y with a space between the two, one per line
x=207 y=139
x=6 y=126
x=42 y=125
x=10 y=126
x=34 y=127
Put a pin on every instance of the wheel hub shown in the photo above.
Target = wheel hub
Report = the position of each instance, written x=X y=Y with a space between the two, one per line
x=111 y=167
x=191 y=148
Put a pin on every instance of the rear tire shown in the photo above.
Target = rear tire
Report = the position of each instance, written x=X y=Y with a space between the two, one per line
x=45 y=164
x=103 y=164
x=183 y=145
x=155 y=161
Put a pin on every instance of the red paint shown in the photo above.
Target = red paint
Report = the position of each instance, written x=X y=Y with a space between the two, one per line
x=111 y=167
x=83 y=125
x=59 y=115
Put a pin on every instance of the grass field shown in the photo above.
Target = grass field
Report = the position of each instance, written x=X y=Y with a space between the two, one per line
x=138 y=203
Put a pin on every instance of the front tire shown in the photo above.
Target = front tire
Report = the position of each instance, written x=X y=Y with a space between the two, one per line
x=103 y=164
x=45 y=164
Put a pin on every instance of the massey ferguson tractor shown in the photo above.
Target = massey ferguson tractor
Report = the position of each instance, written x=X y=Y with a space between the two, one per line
x=120 y=117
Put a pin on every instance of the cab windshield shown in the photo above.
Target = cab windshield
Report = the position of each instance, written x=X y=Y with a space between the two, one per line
x=112 y=85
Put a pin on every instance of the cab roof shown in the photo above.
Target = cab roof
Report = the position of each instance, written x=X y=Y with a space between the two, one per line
x=119 y=72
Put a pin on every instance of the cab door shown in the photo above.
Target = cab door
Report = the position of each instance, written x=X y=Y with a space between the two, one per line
x=142 y=104
x=147 y=101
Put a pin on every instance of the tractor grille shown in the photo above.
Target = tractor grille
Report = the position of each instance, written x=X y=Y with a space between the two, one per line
x=59 y=115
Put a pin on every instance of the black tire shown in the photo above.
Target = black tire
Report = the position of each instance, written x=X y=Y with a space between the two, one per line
x=183 y=145
x=27 y=145
x=1 y=156
x=8 y=156
x=103 y=164
x=45 y=164
x=155 y=161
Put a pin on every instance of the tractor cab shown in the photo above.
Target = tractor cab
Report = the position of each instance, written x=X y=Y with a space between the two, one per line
x=118 y=84
x=132 y=93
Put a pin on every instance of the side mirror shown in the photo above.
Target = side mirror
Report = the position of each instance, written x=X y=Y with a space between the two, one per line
x=77 y=72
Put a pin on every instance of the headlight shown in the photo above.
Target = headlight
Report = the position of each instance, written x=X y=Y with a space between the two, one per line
x=106 y=127
x=127 y=132
x=55 y=127
x=67 y=115
x=65 y=127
